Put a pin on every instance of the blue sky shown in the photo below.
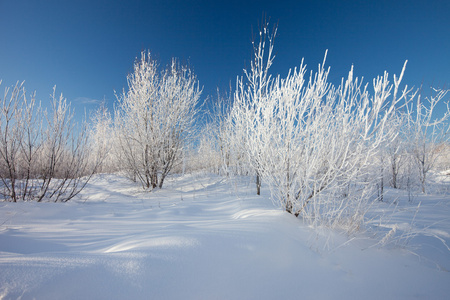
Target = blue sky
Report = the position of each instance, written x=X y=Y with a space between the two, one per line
x=87 y=48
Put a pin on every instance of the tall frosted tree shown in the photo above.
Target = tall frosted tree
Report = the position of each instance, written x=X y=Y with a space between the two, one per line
x=154 y=118
x=310 y=141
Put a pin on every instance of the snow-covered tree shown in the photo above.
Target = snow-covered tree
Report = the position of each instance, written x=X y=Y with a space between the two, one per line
x=153 y=119
x=396 y=150
x=43 y=155
x=18 y=142
x=311 y=142
x=219 y=141
x=427 y=133
x=101 y=139
x=393 y=156
x=249 y=99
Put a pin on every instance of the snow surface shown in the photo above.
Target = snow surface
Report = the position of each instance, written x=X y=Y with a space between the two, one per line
x=203 y=237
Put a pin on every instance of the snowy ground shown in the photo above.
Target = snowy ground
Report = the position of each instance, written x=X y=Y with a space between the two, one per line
x=202 y=238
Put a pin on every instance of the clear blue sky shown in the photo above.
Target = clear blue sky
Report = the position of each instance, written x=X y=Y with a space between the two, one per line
x=87 y=48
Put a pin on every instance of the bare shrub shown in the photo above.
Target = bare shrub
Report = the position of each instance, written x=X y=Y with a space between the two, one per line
x=43 y=155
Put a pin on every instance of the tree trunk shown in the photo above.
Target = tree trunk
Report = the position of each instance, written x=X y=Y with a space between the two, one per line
x=258 y=184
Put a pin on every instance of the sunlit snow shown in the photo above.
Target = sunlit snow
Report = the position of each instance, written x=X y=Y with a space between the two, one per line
x=206 y=237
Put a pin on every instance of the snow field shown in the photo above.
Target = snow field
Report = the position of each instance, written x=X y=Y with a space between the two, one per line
x=204 y=237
